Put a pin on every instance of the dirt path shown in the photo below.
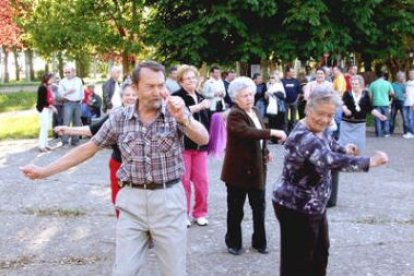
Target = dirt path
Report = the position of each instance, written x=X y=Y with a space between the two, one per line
x=65 y=225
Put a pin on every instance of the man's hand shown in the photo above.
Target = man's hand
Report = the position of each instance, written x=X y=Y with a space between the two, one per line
x=62 y=130
x=352 y=149
x=33 y=171
x=177 y=108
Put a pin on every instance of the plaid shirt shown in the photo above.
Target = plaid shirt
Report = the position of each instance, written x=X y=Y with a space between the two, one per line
x=149 y=153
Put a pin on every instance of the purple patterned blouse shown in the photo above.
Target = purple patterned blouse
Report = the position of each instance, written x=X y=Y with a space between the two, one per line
x=305 y=184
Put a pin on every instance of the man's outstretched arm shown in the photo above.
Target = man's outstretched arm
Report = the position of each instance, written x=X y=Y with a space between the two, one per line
x=69 y=160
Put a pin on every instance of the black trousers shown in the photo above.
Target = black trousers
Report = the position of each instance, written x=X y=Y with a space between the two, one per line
x=235 y=202
x=304 y=243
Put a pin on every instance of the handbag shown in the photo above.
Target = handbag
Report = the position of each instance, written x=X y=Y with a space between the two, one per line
x=271 y=108
x=281 y=102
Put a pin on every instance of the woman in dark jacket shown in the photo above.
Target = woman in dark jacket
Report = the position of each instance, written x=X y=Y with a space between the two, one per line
x=45 y=107
x=244 y=168
x=195 y=156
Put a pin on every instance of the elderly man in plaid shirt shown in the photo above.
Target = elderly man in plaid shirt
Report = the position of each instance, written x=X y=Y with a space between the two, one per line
x=152 y=200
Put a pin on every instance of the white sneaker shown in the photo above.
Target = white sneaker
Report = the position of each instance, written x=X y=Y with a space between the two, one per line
x=188 y=223
x=408 y=135
x=201 y=221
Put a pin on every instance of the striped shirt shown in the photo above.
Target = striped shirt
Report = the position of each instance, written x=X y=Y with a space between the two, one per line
x=149 y=153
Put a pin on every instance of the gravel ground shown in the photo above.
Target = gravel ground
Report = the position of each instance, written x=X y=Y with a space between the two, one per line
x=65 y=225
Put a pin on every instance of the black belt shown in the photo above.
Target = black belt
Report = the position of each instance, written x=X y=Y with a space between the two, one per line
x=69 y=101
x=149 y=185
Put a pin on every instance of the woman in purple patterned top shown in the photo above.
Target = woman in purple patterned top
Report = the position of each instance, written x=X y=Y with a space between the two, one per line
x=301 y=194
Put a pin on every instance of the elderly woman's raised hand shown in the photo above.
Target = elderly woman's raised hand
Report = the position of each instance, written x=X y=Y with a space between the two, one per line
x=379 y=158
x=205 y=103
x=352 y=149
x=279 y=134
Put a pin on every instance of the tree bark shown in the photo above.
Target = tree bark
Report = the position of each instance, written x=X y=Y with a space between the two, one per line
x=125 y=62
x=31 y=67
x=16 y=63
x=6 y=64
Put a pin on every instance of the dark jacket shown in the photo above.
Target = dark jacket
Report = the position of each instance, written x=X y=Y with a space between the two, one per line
x=364 y=104
x=108 y=89
x=244 y=163
x=202 y=116
x=41 y=98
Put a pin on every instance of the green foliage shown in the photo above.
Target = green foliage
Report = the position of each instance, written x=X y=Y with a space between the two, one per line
x=250 y=31
x=196 y=31
x=16 y=101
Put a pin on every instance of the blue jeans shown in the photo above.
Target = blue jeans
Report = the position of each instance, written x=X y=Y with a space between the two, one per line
x=71 y=113
x=261 y=106
x=382 y=127
x=408 y=113
x=396 y=106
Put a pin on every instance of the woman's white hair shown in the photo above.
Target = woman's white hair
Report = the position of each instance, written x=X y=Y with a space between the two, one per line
x=240 y=83
x=323 y=95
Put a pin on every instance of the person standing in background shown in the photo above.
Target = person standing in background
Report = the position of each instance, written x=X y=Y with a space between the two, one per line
x=45 y=107
x=380 y=92
x=227 y=80
x=214 y=90
x=259 y=97
x=292 y=89
x=397 y=103
x=58 y=104
x=111 y=91
x=409 y=105
x=171 y=82
x=71 y=90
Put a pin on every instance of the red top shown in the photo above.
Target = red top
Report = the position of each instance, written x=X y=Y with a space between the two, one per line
x=49 y=96
x=87 y=95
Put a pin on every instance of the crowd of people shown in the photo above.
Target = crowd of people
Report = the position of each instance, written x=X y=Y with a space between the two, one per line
x=162 y=131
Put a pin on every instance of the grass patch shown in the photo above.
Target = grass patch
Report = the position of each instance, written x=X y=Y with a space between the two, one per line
x=17 y=101
x=382 y=221
x=55 y=212
x=19 y=126
x=73 y=260
x=19 y=83
x=17 y=263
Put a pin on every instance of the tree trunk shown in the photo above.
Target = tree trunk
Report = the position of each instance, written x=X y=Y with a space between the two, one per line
x=16 y=63
x=31 y=67
x=6 y=64
x=125 y=62
x=60 y=64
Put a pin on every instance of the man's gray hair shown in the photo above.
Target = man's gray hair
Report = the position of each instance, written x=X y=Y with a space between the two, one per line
x=323 y=95
x=239 y=84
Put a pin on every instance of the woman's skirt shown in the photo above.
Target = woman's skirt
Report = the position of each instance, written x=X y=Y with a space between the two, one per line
x=353 y=133
x=218 y=136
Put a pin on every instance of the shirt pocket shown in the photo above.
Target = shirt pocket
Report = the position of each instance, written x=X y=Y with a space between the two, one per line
x=166 y=144
x=131 y=146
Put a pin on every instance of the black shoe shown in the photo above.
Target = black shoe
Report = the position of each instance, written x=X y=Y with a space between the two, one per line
x=262 y=250
x=234 y=251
